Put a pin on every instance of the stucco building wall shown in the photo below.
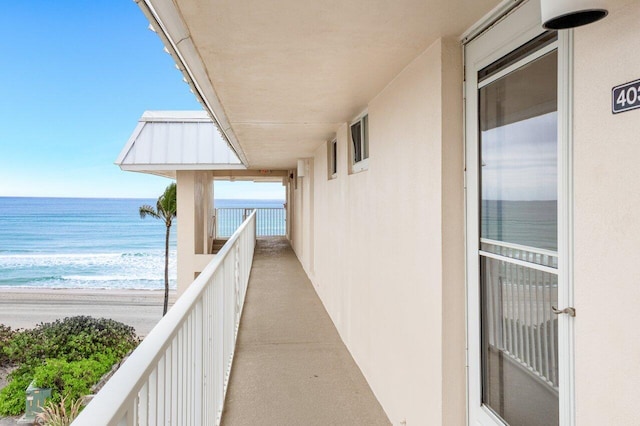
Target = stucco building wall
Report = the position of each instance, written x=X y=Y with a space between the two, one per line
x=607 y=224
x=379 y=237
x=388 y=258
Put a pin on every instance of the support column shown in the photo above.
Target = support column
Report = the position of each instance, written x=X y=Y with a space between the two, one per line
x=186 y=226
x=195 y=207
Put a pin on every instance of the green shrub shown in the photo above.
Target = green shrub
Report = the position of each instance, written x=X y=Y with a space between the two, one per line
x=73 y=339
x=12 y=397
x=6 y=335
x=68 y=355
x=71 y=378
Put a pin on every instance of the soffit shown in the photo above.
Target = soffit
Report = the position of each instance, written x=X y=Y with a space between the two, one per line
x=289 y=72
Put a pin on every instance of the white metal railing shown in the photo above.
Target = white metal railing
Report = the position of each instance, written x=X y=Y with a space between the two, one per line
x=269 y=221
x=179 y=373
x=520 y=286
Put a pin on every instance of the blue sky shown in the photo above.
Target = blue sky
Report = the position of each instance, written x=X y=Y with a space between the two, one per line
x=76 y=77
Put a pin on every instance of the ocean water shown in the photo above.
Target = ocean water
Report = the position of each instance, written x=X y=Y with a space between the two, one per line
x=528 y=223
x=87 y=243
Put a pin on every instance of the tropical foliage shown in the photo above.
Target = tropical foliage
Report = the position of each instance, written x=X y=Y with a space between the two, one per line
x=68 y=356
x=166 y=210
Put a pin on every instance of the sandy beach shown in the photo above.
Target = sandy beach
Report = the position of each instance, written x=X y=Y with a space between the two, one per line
x=24 y=308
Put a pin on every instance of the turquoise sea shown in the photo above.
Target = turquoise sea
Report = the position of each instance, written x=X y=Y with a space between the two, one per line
x=87 y=243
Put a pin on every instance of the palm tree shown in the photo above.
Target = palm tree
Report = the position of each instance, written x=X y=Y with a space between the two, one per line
x=166 y=210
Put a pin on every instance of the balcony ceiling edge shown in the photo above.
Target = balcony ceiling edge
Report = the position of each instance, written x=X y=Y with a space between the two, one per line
x=282 y=77
x=172 y=32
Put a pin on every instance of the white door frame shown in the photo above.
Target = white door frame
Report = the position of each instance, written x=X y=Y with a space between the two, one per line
x=521 y=25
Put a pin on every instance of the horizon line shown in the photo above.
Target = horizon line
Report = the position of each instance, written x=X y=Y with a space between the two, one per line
x=124 y=198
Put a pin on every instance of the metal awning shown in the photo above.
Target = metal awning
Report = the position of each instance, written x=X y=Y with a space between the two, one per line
x=167 y=141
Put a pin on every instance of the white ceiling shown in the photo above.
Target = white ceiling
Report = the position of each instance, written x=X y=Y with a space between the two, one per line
x=289 y=72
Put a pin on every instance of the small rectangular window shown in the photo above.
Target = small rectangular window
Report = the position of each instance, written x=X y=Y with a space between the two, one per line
x=360 y=143
x=365 y=137
x=356 y=139
x=332 y=157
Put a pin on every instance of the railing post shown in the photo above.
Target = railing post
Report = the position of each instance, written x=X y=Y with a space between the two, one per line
x=143 y=405
x=218 y=344
x=216 y=230
x=198 y=363
x=153 y=397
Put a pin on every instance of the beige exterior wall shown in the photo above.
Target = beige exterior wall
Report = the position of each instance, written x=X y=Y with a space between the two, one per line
x=195 y=206
x=387 y=255
x=388 y=242
x=607 y=224
x=303 y=218
x=453 y=247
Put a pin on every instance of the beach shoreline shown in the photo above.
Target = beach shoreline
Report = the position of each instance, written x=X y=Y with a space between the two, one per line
x=26 y=307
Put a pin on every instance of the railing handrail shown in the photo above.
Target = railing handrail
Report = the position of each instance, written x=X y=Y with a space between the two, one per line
x=544 y=252
x=249 y=208
x=133 y=373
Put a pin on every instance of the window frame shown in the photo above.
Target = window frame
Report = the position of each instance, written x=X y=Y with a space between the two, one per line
x=363 y=163
x=332 y=158
x=497 y=40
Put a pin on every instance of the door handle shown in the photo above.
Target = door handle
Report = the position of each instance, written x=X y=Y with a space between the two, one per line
x=570 y=311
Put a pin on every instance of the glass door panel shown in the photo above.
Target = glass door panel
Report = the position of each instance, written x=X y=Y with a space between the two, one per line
x=519 y=235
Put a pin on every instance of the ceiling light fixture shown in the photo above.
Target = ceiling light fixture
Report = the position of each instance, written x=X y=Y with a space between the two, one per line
x=565 y=14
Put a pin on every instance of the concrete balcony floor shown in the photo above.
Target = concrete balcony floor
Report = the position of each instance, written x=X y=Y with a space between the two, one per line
x=290 y=366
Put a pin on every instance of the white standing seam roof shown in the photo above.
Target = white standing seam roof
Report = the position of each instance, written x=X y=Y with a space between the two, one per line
x=166 y=141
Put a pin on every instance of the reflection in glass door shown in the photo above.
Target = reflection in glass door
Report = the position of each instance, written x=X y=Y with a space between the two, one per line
x=518 y=122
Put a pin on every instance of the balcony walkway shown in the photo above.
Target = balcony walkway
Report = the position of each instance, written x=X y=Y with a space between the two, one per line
x=290 y=366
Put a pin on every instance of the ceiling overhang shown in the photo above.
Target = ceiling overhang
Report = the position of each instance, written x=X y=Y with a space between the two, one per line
x=280 y=77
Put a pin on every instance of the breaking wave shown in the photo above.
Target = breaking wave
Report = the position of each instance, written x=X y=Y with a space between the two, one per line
x=125 y=270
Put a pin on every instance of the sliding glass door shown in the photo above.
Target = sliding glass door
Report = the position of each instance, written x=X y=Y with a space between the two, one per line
x=515 y=203
x=518 y=235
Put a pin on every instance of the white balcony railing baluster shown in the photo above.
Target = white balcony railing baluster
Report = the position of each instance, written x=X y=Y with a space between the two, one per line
x=180 y=372
x=269 y=221
x=521 y=286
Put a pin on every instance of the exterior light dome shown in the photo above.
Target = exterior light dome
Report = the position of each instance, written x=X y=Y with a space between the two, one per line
x=565 y=14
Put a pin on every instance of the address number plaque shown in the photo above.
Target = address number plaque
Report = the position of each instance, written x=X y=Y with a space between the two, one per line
x=625 y=97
